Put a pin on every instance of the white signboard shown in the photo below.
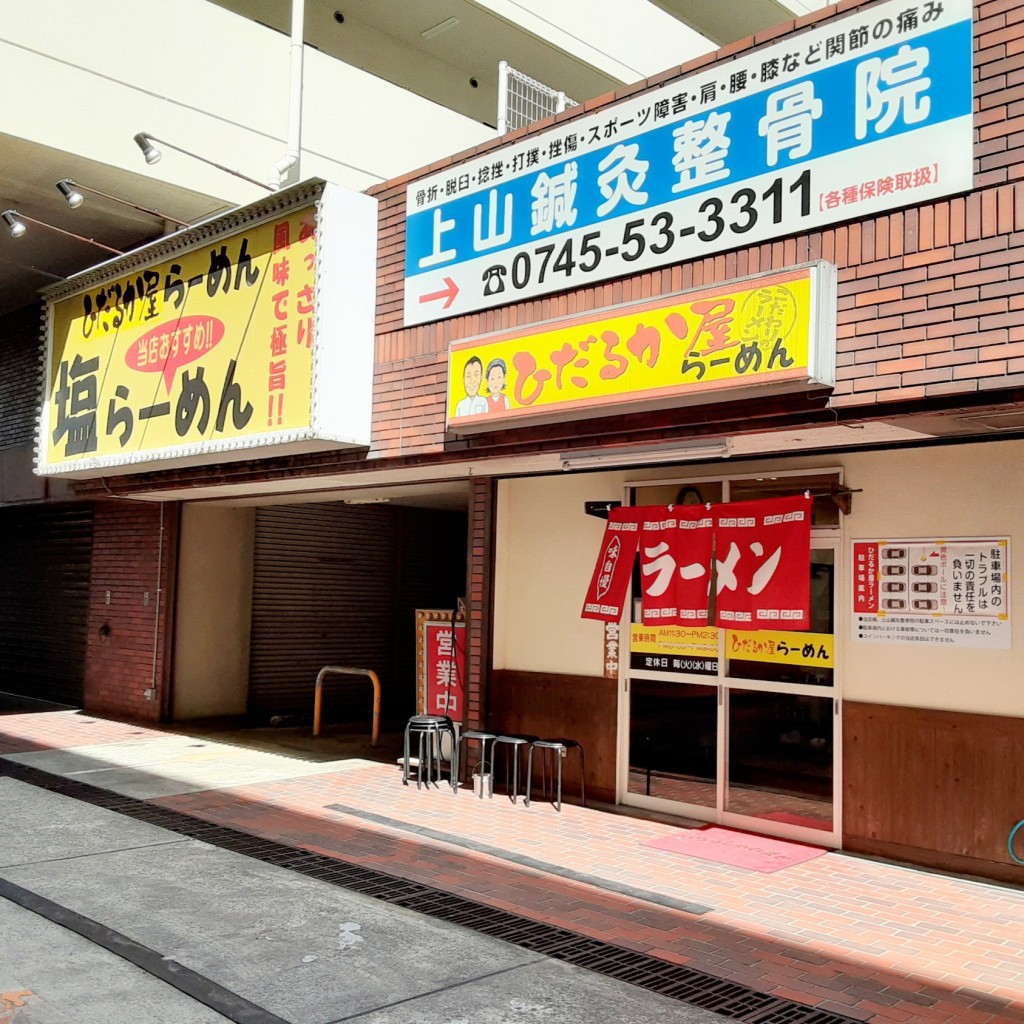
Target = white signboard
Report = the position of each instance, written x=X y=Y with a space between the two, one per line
x=868 y=113
x=932 y=591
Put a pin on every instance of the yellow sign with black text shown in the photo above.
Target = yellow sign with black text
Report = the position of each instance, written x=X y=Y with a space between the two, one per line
x=696 y=346
x=695 y=649
x=215 y=344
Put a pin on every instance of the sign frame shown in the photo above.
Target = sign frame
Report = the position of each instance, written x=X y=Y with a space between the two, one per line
x=548 y=214
x=342 y=327
x=818 y=371
x=428 y=619
x=924 y=570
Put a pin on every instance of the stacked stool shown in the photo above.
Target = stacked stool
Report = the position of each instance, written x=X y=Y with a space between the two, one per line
x=429 y=730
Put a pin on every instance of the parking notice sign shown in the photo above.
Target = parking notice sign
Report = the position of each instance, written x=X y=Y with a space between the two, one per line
x=953 y=592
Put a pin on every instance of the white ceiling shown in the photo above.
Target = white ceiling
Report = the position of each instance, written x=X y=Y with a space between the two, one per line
x=583 y=47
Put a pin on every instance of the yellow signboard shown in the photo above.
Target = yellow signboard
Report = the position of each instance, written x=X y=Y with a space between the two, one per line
x=689 y=649
x=695 y=346
x=214 y=344
x=812 y=650
x=694 y=649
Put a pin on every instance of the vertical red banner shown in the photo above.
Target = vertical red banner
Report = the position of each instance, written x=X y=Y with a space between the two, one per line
x=675 y=565
x=865 y=576
x=445 y=644
x=607 y=591
x=763 y=560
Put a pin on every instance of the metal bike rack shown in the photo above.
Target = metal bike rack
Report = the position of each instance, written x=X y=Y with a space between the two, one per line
x=338 y=670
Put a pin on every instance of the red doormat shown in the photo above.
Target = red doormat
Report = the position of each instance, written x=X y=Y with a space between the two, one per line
x=740 y=849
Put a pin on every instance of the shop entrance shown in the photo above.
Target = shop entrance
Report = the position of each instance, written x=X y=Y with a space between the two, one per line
x=734 y=732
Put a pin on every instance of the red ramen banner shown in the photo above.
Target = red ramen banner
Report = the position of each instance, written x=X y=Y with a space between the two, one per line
x=762 y=564
x=763 y=561
x=675 y=565
x=608 y=585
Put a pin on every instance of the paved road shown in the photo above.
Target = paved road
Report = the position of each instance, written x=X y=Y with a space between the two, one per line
x=106 y=919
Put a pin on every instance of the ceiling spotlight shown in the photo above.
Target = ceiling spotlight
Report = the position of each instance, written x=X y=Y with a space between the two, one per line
x=16 y=226
x=15 y=221
x=67 y=189
x=149 y=151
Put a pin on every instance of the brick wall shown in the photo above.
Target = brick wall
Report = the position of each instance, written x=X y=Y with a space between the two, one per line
x=930 y=297
x=133 y=556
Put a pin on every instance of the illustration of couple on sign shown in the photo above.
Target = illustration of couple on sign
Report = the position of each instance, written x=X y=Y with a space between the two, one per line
x=473 y=375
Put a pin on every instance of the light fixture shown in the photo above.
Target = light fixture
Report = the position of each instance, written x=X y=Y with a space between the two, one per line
x=145 y=142
x=15 y=221
x=441 y=26
x=686 y=451
x=16 y=226
x=66 y=187
x=70 y=191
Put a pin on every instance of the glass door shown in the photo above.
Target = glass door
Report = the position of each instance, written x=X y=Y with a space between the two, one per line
x=780 y=719
x=673 y=742
x=734 y=727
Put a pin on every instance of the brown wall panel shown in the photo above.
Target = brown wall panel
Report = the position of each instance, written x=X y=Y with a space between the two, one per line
x=936 y=787
x=554 y=706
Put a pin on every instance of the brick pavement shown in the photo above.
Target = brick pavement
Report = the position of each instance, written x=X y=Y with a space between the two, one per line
x=876 y=941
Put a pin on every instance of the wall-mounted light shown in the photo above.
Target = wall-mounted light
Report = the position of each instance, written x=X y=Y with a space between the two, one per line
x=16 y=227
x=16 y=224
x=687 y=451
x=70 y=190
x=66 y=187
x=145 y=142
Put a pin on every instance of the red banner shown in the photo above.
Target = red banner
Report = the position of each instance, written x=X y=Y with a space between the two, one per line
x=445 y=644
x=865 y=576
x=762 y=552
x=607 y=591
x=675 y=565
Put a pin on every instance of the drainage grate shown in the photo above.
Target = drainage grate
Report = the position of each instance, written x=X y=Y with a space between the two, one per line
x=726 y=998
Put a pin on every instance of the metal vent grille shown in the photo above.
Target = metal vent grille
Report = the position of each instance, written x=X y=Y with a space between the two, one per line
x=726 y=998
x=522 y=100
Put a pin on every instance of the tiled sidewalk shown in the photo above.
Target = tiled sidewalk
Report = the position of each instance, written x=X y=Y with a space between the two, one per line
x=870 y=940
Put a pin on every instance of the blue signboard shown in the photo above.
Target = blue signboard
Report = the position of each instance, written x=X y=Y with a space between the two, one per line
x=864 y=114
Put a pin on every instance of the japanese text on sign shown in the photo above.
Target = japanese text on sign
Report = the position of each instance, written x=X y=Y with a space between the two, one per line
x=440 y=663
x=212 y=345
x=867 y=113
x=942 y=592
x=771 y=330
x=761 y=563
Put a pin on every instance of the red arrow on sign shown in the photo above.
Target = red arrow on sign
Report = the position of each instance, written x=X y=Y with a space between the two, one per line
x=448 y=293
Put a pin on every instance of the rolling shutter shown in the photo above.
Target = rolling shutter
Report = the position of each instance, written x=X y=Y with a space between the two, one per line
x=45 y=554
x=337 y=584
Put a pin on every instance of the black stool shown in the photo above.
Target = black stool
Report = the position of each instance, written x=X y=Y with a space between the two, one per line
x=430 y=729
x=486 y=776
x=561 y=747
x=516 y=742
